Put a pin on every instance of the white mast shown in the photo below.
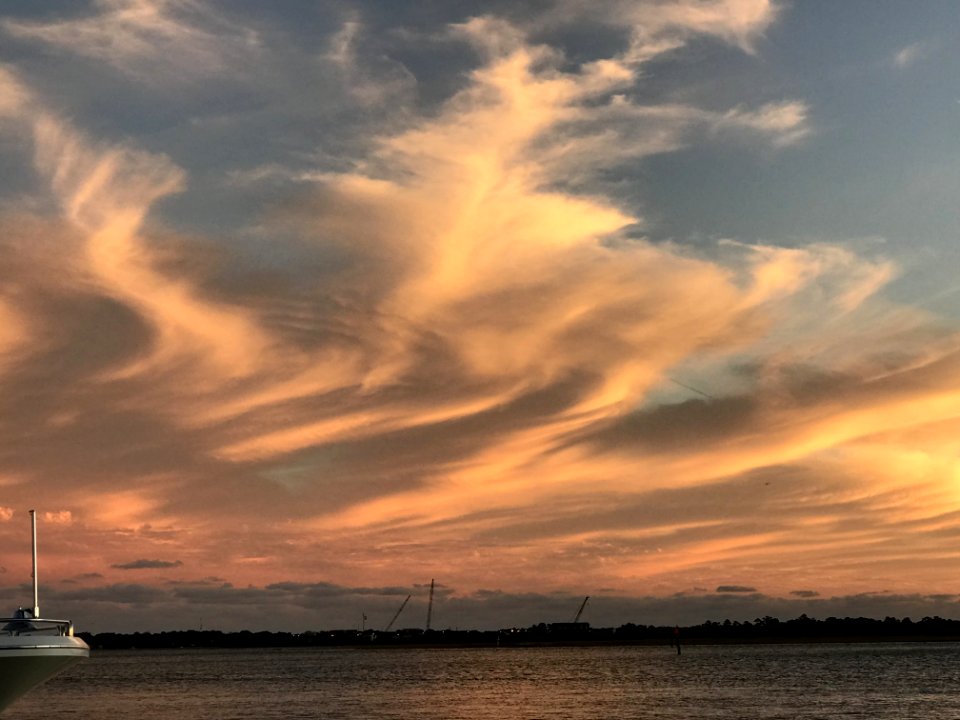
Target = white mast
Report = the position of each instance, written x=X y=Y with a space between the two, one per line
x=36 y=601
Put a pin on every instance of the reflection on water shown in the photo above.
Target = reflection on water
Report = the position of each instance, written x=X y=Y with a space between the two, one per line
x=772 y=681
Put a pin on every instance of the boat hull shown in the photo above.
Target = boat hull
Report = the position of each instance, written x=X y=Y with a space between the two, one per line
x=24 y=665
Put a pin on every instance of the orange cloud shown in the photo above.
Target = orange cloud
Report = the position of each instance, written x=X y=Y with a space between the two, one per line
x=60 y=517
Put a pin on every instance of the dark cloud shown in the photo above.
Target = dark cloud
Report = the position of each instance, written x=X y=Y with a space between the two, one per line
x=805 y=593
x=198 y=583
x=295 y=607
x=765 y=498
x=384 y=463
x=89 y=576
x=735 y=589
x=148 y=564
x=332 y=590
x=675 y=428
x=787 y=388
x=305 y=595
x=148 y=530
x=117 y=594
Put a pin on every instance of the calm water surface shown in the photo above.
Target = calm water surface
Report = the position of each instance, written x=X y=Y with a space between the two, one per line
x=876 y=681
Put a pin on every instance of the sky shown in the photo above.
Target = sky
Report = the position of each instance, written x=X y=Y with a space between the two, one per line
x=304 y=304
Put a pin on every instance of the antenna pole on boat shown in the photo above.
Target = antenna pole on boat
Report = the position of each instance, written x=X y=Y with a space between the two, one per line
x=36 y=599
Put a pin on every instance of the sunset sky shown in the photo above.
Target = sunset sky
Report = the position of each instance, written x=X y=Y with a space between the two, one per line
x=304 y=303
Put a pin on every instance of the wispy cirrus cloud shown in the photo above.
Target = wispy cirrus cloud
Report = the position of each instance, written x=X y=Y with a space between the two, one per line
x=59 y=517
x=784 y=123
x=909 y=54
x=659 y=27
x=152 y=40
x=13 y=96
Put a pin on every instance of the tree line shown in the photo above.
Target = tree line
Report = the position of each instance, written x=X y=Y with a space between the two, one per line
x=761 y=630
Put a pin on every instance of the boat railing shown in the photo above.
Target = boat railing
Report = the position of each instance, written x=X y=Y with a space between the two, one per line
x=35 y=626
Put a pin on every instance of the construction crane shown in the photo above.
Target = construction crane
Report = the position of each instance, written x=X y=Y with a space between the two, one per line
x=580 y=611
x=402 y=606
x=430 y=606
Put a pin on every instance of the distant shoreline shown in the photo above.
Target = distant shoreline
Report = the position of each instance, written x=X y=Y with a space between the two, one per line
x=766 y=631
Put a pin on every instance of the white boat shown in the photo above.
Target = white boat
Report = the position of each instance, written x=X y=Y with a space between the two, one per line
x=34 y=649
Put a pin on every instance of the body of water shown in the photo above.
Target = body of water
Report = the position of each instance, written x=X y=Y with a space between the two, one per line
x=875 y=681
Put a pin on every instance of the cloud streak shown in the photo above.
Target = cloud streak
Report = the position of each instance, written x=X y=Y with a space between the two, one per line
x=152 y=40
x=148 y=565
